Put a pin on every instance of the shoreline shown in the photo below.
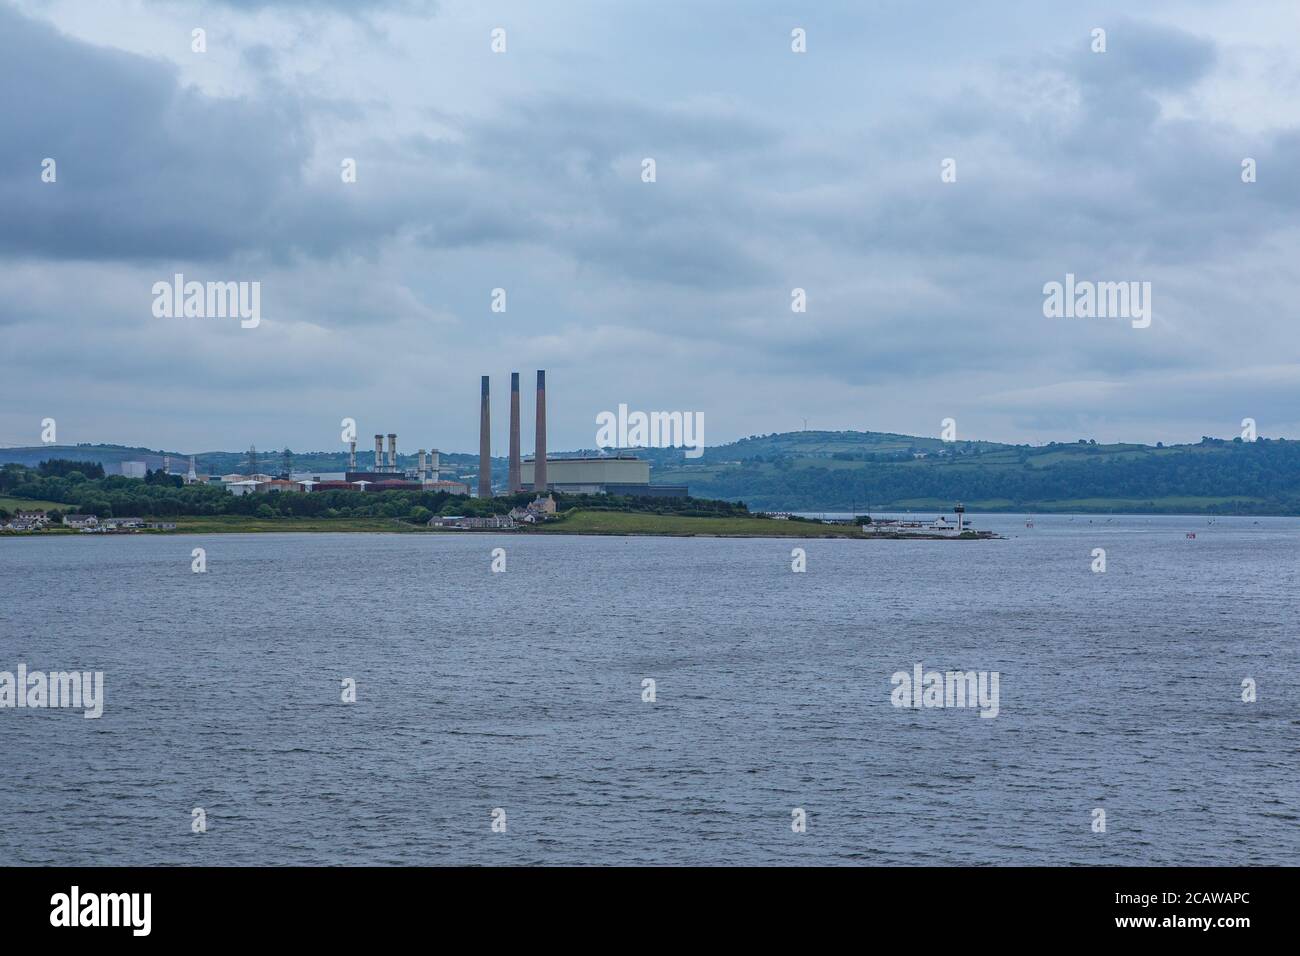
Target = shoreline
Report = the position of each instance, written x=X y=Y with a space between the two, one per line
x=181 y=532
x=577 y=524
x=585 y=523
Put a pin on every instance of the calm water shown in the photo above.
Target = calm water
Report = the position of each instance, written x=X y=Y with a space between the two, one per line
x=522 y=690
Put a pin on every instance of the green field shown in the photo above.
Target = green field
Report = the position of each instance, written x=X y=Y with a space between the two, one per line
x=624 y=522
x=29 y=504
x=219 y=524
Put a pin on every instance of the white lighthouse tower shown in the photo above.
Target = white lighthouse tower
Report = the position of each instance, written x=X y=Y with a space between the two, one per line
x=961 y=514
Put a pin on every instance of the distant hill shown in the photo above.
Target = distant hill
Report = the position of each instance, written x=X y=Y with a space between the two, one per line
x=214 y=462
x=110 y=456
x=842 y=471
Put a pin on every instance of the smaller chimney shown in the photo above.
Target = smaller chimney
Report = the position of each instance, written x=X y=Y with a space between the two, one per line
x=513 y=481
x=379 y=453
x=539 y=457
x=392 y=451
x=433 y=464
x=484 y=443
x=421 y=473
x=352 y=455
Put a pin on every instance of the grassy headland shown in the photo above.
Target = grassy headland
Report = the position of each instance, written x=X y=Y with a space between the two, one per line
x=249 y=524
x=576 y=521
x=580 y=521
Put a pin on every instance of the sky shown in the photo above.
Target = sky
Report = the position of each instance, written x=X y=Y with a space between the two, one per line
x=523 y=170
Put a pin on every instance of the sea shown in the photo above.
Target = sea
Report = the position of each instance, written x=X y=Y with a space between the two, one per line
x=381 y=699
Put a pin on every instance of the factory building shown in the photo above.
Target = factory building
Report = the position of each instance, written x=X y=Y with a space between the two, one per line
x=387 y=473
x=622 y=475
x=451 y=487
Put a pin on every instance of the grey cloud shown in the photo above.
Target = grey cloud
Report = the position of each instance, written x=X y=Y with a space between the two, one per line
x=145 y=167
x=1068 y=161
x=335 y=6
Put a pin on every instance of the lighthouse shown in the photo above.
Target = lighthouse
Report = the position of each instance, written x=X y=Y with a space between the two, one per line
x=961 y=513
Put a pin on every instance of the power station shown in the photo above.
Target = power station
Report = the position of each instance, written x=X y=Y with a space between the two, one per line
x=615 y=475
x=386 y=473
x=514 y=469
x=622 y=474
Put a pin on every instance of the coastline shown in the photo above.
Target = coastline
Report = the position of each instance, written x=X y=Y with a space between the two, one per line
x=580 y=523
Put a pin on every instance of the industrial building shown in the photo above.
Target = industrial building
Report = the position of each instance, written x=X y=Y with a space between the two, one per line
x=615 y=475
x=621 y=475
x=386 y=474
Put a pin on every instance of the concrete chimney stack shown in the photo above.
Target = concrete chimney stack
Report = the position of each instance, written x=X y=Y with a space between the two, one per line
x=379 y=453
x=484 y=445
x=392 y=451
x=352 y=455
x=514 y=482
x=539 y=459
x=433 y=464
x=421 y=473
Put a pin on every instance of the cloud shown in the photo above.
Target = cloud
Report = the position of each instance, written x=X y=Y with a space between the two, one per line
x=774 y=171
x=145 y=166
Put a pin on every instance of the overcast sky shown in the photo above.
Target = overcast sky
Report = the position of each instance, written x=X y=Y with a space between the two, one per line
x=522 y=170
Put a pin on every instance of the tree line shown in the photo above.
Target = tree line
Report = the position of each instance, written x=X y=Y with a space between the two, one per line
x=84 y=488
x=1267 y=471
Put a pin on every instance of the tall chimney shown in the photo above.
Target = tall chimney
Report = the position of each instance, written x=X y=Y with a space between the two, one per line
x=539 y=459
x=421 y=473
x=379 y=453
x=514 y=483
x=484 y=445
x=392 y=451
x=433 y=464
x=352 y=456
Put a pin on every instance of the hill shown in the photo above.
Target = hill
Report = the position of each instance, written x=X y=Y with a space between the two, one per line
x=844 y=471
